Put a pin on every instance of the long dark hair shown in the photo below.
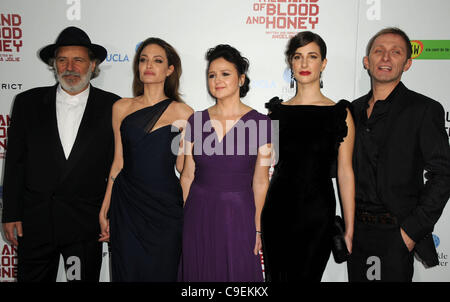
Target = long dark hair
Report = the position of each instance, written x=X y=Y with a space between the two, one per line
x=172 y=82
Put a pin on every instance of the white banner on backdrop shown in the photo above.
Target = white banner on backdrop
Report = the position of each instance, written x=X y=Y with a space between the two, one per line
x=259 y=29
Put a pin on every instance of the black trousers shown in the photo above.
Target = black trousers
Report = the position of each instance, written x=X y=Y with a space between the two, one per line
x=39 y=262
x=379 y=254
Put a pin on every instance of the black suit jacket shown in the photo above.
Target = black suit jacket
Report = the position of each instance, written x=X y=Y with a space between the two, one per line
x=55 y=198
x=415 y=140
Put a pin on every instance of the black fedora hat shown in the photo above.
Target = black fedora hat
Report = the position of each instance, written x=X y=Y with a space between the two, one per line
x=72 y=36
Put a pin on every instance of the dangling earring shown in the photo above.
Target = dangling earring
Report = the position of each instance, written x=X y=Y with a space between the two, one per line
x=292 y=79
x=321 y=82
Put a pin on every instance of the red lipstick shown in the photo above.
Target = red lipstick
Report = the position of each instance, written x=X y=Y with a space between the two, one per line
x=305 y=73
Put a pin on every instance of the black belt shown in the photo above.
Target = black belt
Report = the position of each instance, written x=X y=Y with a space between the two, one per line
x=370 y=218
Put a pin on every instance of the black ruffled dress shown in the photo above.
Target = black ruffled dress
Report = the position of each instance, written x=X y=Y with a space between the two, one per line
x=300 y=206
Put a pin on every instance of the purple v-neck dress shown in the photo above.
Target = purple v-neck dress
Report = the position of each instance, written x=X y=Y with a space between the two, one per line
x=219 y=215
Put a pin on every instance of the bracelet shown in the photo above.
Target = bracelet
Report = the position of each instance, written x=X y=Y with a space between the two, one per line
x=113 y=178
x=258 y=232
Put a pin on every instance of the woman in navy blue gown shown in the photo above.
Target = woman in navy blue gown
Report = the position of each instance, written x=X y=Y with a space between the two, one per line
x=144 y=197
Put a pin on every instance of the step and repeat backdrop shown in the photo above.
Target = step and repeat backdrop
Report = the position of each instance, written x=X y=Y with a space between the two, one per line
x=260 y=29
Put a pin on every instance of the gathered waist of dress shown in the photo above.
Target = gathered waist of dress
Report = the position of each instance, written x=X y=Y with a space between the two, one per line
x=156 y=180
x=224 y=181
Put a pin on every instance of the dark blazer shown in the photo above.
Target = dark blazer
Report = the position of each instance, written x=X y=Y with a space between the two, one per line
x=415 y=140
x=54 y=197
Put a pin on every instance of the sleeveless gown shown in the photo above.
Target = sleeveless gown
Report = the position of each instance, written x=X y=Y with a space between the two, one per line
x=219 y=216
x=147 y=203
x=300 y=206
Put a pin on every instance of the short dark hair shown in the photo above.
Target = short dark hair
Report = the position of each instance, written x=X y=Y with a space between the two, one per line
x=172 y=82
x=233 y=56
x=304 y=38
x=395 y=31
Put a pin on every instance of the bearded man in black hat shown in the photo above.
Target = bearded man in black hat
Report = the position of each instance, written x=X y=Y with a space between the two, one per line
x=59 y=152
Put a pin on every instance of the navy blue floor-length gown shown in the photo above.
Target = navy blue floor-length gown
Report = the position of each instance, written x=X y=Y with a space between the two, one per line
x=147 y=203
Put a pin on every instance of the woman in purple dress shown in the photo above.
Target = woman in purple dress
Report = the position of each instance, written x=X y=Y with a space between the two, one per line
x=225 y=178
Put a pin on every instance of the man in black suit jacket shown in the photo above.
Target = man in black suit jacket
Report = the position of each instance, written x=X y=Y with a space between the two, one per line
x=59 y=152
x=399 y=135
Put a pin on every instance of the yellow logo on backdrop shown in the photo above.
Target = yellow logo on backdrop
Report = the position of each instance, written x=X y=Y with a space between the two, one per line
x=417 y=48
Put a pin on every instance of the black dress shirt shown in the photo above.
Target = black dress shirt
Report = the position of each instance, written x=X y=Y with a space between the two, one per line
x=369 y=134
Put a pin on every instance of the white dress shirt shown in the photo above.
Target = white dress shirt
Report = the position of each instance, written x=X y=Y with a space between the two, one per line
x=69 y=112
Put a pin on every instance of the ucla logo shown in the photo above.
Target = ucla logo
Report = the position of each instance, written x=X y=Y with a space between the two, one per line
x=116 y=57
x=264 y=84
x=436 y=240
x=417 y=48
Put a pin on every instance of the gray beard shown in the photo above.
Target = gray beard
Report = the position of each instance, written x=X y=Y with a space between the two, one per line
x=84 y=80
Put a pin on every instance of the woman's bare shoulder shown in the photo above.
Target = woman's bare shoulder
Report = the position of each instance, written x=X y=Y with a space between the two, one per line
x=328 y=102
x=122 y=107
x=183 y=110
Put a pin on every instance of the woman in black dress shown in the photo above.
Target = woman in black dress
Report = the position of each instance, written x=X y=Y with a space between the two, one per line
x=144 y=197
x=314 y=134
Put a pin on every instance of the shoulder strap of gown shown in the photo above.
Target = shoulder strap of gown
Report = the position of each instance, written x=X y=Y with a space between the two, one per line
x=156 y=114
